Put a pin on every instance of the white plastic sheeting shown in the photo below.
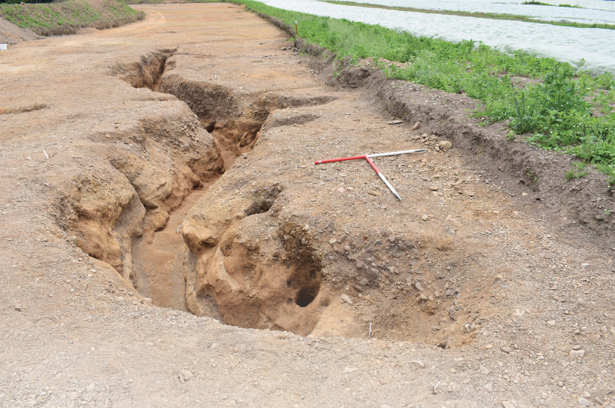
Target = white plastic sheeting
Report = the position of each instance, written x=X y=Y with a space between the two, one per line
x=570 y=44
x=593 y=11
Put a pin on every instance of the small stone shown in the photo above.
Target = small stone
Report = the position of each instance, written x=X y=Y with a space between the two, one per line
x=507 y=404
x=364 y=281
x=186 y=374
x=418 y=286
x=373 y=193
x=395 y=122
x=560 y=383
x=576 y=347
x=551 y=322
x=524 y=194
x=506 y=349
x=445 y=145
x=341 y=190
x=470 y=193
x=577 y=353
x=416 y=126
x=346 y=299
x=489 y=346
x=433 y=188
x=420 y=364
x=91 y=387
x=584 y=402
x=453 y=371
x=425 y=217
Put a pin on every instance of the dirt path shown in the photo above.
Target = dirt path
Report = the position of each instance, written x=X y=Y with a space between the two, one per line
x=474 y=298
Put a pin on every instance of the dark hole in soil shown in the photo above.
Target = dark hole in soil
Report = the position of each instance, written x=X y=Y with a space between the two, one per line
x=260 y=207
x=305 y=297
x=210 y=126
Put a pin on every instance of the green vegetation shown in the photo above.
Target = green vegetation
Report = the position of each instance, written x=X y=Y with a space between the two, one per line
x=492 y=16
x=25 y=1
x=577 y=171
x=537 y=3
x=68 y=17
x=559 y=109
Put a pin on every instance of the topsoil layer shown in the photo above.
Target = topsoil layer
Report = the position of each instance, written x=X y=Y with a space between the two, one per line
x=11 y=34
x=160 y=189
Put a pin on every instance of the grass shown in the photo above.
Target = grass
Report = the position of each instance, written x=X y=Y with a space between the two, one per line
x=577 y=171
x=560 y=109
x=538 y=3
x=492 y=16
x=68 y=17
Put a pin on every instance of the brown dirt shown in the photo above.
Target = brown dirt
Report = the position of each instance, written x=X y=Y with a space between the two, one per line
x=11 y=34
x=115 y=199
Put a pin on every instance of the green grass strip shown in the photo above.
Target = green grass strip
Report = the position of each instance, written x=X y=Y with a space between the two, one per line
x=492 y=16
x=67 y=17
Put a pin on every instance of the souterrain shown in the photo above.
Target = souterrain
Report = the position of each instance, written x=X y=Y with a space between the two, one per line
x=168 y=240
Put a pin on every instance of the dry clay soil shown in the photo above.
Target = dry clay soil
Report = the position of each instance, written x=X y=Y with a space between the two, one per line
x=168 y=241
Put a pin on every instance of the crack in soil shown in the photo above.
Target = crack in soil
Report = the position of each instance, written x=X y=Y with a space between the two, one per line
x=164 y=265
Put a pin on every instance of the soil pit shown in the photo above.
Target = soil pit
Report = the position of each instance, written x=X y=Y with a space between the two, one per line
x=250 y=259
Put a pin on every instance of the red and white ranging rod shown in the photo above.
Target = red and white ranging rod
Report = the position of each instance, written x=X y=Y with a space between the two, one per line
x=371 y=163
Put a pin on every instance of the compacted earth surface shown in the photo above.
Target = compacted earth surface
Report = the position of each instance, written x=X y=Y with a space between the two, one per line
x=167 y=239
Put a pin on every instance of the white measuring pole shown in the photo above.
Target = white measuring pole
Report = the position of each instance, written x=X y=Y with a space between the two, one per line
x=396 y=153
x=389 y=186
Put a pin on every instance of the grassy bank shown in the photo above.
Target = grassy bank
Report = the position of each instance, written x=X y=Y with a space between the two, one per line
x=491 y=16
x=561 y=109
x=70 y=16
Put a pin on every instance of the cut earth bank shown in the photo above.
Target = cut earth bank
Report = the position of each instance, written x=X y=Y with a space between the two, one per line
x=113 y=146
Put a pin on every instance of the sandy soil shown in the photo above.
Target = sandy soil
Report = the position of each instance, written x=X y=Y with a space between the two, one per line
x=130 y=234
x=11 y=34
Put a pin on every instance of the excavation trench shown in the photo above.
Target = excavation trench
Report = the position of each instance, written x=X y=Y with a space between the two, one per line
x=207 y=268
x=246 y=248
x=251 y=248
